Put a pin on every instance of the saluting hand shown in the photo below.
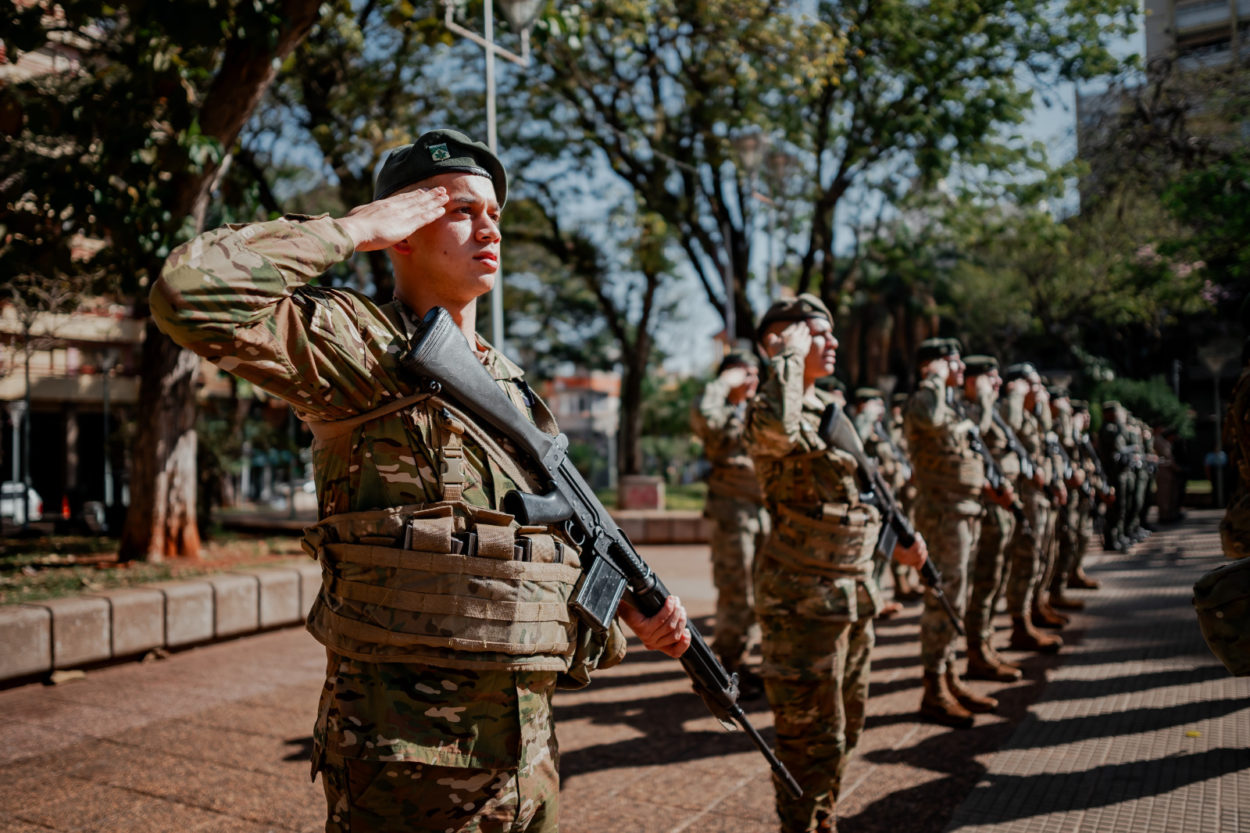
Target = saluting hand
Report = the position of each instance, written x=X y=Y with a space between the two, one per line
x=796 y=336
x=665 y=631
x=383 y=223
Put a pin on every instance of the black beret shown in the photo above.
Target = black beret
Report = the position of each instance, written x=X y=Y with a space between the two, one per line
x=1058 y=392
x=802 y=308
x=977 y=365
x=439 y=152
x=1020 y=370
x=936 y=348
x=1080 y=406
x=900 y=398
x=735 y=359
x=865 y=394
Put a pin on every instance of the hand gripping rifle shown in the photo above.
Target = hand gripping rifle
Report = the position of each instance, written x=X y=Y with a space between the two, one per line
x=837 y=431
x=440 y=357
x=993 y=473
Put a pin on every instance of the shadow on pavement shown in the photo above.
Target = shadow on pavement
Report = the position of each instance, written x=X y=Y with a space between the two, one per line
x=1101 y=786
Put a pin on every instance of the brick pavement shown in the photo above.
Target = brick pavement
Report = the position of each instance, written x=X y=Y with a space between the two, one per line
x=216 y=738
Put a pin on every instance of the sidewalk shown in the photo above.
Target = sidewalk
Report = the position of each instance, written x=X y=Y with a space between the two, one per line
x=1101 y=738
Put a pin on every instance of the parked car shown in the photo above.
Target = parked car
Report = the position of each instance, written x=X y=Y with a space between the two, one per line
x=11 y=503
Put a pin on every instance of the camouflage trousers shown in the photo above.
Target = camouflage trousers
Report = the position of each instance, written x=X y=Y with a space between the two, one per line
x=1025 y=551
x=1117 y=510
x=951 y=537
x=819 y=718
x=1070 y=538
x=405 y=797
x=738 y=530
x=987 y=571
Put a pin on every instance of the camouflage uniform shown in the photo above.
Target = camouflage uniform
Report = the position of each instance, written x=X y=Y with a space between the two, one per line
x=430 y=745
x=735 y=506
x=895 y=470
x=1070 y=518
x=1025 y=550
x=814 y=592
x=950 y=477
x=996 y=530
x=1114 y=447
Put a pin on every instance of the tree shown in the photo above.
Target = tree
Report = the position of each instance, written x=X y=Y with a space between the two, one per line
x=868 y=97
x=125 y=145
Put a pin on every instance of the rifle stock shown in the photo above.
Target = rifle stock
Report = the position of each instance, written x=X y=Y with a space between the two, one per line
x=441 y=358
x=836 y=430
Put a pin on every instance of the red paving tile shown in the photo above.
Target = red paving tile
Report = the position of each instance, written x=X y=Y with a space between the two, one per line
x=1100 y=738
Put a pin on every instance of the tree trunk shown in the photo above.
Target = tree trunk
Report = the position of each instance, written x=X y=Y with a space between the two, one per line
x=161 y=522
x=629 y=439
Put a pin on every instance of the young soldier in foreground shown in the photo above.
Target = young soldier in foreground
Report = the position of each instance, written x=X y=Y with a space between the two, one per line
x=814 y=592
x=735 y=506
x=445 y=623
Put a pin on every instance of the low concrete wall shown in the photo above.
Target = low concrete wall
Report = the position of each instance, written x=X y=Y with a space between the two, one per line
x=38 y=637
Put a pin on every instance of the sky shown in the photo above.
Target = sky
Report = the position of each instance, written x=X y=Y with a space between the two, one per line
x=692 y=349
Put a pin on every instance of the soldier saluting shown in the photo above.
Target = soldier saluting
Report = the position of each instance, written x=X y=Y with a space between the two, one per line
x=445 y=622
x=814 y=594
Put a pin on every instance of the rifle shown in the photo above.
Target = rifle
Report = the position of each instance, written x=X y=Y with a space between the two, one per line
x=443 y=363
x=837 y=431
x=1014 y=445
x=1054 y=446
x=993 y=473
x=884 y=434
x=1104 y=487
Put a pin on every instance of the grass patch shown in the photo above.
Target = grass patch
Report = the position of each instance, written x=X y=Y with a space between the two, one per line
x=58 y=566
x=677 y=498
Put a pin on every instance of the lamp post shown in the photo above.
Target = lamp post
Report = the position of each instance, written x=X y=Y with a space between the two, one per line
x=521 y=14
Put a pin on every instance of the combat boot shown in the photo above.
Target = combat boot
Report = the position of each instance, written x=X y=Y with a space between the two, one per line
x=1024 y=637
x=1044 y=616
x=969 y=699
x=1062 y=602
x=940 y=706
x=985 y=664
x=1079 y=581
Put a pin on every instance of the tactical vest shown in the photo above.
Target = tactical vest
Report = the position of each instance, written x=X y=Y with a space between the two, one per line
x=821 y=526
x=448 y=583
x=735 y=479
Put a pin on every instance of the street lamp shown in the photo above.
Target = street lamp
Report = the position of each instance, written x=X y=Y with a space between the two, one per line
x=521 y=14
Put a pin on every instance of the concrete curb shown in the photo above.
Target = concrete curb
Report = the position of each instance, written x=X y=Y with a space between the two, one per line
x=39 y=637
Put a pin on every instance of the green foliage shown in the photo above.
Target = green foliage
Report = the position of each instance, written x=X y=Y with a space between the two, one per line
x=667 y=405
x=111 y=143
x=1149 y=400
x=1214 y=202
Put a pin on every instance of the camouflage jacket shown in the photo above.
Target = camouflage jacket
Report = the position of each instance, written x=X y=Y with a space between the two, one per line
x=240 y=296
x=817 y=562
x=949 y=472
x=1032 y=436
x=719 y=425
x=995 y=439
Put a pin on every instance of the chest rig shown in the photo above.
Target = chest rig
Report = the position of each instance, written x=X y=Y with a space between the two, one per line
x=445 y=583
x=820 y=524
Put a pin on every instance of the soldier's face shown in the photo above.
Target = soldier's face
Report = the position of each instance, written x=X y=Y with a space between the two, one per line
x=822 y=357
x=455 y=258
x=956 y=376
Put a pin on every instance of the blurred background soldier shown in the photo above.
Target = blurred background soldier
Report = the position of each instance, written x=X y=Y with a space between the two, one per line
x=1114 y=448
x=1024 y=550
x=907 y=585
x=869 y=414
x=1090 y=503
x=980 y=392
x=735 y=505
x=1072 y=515
x=814 y=592
x=1138 y=477
x=950 y=480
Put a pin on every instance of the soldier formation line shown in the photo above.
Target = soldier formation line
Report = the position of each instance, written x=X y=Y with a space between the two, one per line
x=449 y=623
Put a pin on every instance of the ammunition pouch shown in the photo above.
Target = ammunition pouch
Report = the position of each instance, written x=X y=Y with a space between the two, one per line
x=833 y=540
x=450 y=585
